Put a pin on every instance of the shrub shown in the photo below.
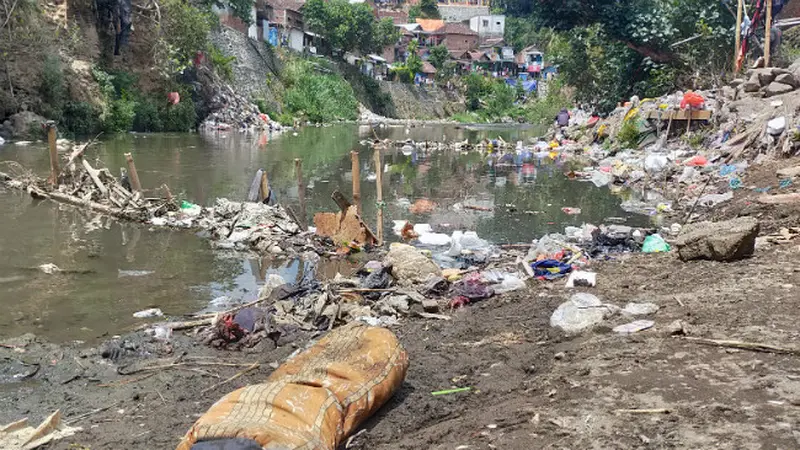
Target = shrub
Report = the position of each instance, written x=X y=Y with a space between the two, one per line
x=320 y=97
x=223 y=65
x=52 y=88
x=181 y=117
x=148 y=117
x=81 y=118
x=628 y=136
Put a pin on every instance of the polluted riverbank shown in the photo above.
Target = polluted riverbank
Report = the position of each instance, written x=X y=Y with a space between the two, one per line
x=502 y=366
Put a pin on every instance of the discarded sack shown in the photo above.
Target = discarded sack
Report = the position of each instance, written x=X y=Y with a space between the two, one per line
x=550 y=269
x=314 y=400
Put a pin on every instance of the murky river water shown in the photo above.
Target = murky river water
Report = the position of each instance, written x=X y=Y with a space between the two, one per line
x=124 y=268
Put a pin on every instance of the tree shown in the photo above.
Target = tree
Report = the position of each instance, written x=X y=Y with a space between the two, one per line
x=385 y=33
x=414 y=12
x=413 y=61
x=344 y=25
x=438 y=56
x=429 y=9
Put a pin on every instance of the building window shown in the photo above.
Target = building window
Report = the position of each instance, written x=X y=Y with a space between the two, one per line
x=498 y=24
x=485 y=23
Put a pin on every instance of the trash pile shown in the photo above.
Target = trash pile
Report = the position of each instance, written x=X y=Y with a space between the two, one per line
x=244 y=226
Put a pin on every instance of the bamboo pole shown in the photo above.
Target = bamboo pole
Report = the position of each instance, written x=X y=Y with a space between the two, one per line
x=768 y=34
x=738 y=47
x=301 y=191
x=52 y=133
x=132 y=174
x=356 y=181
x=379 y=193
x=264 y=189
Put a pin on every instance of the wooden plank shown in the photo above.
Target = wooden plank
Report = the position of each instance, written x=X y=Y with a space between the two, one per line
x=93 y=174
x=681 y=114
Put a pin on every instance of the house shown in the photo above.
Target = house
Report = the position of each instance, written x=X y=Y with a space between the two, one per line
x=227 y=18
x=427 y=73
x=531 y=61
x=287 y=17
x=462 y=10
x=458 y=38
x=492 y=25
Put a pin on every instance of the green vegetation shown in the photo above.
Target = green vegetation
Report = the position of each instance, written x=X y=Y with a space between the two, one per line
x=349 y=26
x=628 y=136
x=317 y=96
x=439 y=56
x=425 y=9
x=609 y=50
x=184 y=32
x=52 y=88
x=413 y=65
x=223 y=65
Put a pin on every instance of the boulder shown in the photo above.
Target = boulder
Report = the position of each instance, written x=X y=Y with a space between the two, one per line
x=795 y=68
x=764 y=76
x=410 y=264
x=751 y=85
x=776 y=88
x=737 y=82
x=580 y=312
x=26 y=124
x=787 y=78
x=719 y=241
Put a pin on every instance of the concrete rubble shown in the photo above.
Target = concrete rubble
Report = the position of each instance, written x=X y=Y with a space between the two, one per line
x=719 y=241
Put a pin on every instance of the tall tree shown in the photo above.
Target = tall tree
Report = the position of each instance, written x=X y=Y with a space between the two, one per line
x=438 y=56
x=346 y=26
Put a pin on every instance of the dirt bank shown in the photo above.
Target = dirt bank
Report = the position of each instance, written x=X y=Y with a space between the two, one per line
x=533 y=387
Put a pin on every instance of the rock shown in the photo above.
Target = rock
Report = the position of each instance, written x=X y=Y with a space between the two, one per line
x=776 y=88
x=728 y=92
x=640 y=309
x=788 y=172
x=776 y=126
x=398 y=302
x=580 y=312
x=677 y=328
x=26 y=124
x=275 y=249
x=634 y=327
x=737 y=82
x=430 y=305
x=152 y=312
x=787 y=78
x=409 y=264
x=719 y=241
x=751 y=85
x=764 y=76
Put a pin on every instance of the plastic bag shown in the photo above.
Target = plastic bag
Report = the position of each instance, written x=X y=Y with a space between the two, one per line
x=655 y=244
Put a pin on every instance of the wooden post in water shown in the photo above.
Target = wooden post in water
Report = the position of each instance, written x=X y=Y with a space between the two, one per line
x=132 y=174
x=356 y=181
x=52 y=133
x=768 y=33
x=379 y=193
x=301 y=191
x=264 y=188
x=738 y=47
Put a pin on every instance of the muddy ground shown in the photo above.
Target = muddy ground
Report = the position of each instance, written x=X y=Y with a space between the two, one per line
x=533 y=387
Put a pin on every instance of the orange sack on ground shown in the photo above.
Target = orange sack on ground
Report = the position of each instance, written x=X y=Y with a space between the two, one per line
x=314 y=400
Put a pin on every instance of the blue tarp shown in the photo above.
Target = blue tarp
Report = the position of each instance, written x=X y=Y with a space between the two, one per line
x=529 y=86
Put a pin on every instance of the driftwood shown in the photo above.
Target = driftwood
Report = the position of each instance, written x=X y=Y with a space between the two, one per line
x=742 y=345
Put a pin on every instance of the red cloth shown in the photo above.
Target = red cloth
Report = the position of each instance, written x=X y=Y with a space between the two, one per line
x=173 y=98
x=696 y=101
x=696 y=161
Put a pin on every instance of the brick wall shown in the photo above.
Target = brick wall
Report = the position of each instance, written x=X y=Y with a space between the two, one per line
x=459 y=43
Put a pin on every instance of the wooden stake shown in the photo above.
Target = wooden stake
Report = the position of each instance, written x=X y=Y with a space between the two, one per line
x=768 y=33
x=52 y=132
x=379 y=193
x=738 y=47
x=132 y=174
x=301 y=191
x=356 y=181
x=689 y=122
x=264 y=189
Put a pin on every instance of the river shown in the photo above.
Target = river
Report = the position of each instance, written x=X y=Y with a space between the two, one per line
x=122 y=268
